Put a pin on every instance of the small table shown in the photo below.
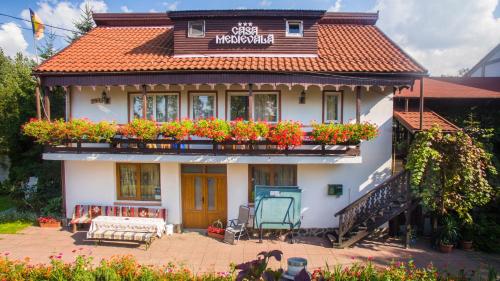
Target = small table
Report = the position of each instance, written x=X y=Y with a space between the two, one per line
x=133 y=224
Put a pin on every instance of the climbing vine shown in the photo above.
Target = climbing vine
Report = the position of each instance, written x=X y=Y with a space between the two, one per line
x=449 y=172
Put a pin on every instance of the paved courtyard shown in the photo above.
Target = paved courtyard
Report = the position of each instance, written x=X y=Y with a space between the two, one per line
x=201 y=253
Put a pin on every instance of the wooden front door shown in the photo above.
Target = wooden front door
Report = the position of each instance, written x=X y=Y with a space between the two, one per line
x=204 y=199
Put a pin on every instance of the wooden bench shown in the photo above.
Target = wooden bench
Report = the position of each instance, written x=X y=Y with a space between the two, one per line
x=83 y=214
x=101 y=235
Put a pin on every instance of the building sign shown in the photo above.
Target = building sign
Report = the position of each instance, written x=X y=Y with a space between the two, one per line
x=246 y=34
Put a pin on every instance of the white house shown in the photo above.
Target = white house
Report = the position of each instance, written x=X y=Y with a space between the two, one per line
x=257 y=64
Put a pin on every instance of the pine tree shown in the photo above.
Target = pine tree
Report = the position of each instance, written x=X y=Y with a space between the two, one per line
x=47 y=49
x=84 y=24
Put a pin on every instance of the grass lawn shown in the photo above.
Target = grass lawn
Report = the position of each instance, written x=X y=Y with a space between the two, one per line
x=5 y=203
x=13 y=227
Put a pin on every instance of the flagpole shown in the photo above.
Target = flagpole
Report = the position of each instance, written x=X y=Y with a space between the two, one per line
x=38 y=92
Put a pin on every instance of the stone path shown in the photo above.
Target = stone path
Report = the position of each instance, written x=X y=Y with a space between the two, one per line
x=200 y=253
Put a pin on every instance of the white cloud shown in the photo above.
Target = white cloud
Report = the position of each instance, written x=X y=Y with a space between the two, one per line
x=336 y=6
x=153 y=11
x=125 y=9
x=171 y=6
x=265 y=3
x=12 y=40
x=444 y=36
x=63 y=13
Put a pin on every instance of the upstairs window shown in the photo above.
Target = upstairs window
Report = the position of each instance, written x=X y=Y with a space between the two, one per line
x=265 y=106
x=161 y=107
x=332 y=106
x=196 y=28
x=203 y=105
x=294 y=28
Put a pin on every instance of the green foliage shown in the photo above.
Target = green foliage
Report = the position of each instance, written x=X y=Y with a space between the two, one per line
x=141 y=129
x=127 y=268
x=449 y=172
x=448 y=231
x=13 y=227
x=84 y=24
x=47 y=49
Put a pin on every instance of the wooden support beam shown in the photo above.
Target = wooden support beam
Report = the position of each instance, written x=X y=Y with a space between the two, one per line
x=144 y=103
x=407 y=104
x=38 y=105
x=67 y=96
x=46 y=102
x=250 y=101
x=421 y=104
x=358 y=104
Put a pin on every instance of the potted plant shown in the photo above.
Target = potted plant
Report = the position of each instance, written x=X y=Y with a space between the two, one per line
x=212 y=128
x=48 y=222
x=177 y=130
x=447 y=235
x=287 y=134
x=244 y=131
x=140 y=129
x=467 y=236
x=40 y=130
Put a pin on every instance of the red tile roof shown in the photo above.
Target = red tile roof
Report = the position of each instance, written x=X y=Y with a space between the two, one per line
x=456 y=88
x=411 y=121
x=342 y=48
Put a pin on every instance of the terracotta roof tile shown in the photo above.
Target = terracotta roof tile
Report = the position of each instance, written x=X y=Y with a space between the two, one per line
x=456 y=88
x=411 y=120
x=342 y=48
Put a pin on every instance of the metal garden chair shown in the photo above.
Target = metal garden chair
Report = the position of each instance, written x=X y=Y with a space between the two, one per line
x=238 y=227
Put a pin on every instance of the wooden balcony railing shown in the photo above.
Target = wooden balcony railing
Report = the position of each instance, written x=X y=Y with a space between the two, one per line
x=203 y=147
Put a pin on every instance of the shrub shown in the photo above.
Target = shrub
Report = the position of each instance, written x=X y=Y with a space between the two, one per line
x=141 y=129
x=215 y=129
x=177 y=129
x=242 y=130
x=286 y=134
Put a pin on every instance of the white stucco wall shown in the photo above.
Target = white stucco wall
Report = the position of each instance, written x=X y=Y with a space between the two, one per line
x=94 y=180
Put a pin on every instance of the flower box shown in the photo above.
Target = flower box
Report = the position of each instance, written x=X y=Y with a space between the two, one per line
x=48 y=222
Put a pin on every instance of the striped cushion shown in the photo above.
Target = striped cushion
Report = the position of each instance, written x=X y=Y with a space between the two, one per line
x=120 y=235
x=85 y=219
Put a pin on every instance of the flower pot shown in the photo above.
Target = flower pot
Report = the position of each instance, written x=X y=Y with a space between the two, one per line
x=445 y=248
x=54 y=224
x=466 y=245
x=215 y=235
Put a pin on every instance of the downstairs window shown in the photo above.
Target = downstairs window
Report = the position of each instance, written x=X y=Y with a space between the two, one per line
x=138 y=181
x=273 y=175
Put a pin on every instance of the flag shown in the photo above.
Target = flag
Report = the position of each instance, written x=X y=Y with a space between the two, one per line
x=37 y=25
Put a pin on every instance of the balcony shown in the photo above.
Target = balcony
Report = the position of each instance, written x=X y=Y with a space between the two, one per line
x=203 y=147
x=203 y=140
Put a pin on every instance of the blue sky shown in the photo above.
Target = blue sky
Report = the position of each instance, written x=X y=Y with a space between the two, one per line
x=443 y=35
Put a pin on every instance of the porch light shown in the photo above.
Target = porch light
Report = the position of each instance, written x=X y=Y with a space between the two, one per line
x=302 y=97
x=103 y=99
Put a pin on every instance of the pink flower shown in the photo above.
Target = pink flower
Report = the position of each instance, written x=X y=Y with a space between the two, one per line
x=6 y=253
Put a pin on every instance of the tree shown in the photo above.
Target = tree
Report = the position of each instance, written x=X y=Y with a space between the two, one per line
x=17 y=106
x=84 y=24
x=47 y=49
x=449 y=172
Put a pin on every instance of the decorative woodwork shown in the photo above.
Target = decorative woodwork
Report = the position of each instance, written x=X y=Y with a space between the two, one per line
x=205 y=147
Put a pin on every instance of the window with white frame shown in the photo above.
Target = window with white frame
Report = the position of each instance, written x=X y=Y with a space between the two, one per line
x=294 y=28
x=161 y=107
x=196 y=28
x=265 y=106
x=203 y=105
x=332 y=105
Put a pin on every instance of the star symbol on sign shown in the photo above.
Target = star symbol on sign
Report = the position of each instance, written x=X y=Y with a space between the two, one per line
x=250 y=24
x=244 y=24
x=239 y=23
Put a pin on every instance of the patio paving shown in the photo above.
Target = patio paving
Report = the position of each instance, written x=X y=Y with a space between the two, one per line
x=201 y=254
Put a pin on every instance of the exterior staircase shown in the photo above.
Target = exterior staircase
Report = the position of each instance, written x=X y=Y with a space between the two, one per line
x=381 y=204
